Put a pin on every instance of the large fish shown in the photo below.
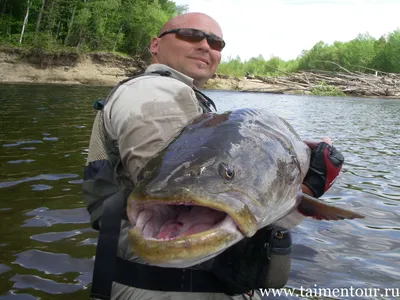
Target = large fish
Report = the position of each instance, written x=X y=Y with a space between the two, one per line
x=221 y=178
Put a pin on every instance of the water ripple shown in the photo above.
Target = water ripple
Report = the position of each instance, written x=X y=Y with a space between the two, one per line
x=46 y=217
x=45 y=285
x=12 y=296
x=4 y=269
x=41 y=187
x=18 y=143
x=50 y=177
x=52 y=263
x=20 y=161
x=49 y=237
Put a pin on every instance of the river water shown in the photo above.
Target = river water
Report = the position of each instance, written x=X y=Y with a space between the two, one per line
x=47 y=245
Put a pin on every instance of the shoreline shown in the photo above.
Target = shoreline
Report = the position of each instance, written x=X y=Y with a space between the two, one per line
x=107 y=69
x=64 y=68
x=96 y=69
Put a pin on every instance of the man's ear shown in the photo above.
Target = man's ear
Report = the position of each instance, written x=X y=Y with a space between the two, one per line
x=153 y=47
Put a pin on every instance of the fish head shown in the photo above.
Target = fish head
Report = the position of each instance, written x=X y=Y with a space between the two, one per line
x=220 y=179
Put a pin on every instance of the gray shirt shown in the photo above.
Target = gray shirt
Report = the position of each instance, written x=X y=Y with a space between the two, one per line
x=146 y=112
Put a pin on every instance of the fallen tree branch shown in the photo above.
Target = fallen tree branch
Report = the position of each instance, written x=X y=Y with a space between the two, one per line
x=350 y=83
x=336 y=64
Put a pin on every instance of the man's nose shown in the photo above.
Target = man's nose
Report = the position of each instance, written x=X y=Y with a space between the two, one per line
x=203 y=45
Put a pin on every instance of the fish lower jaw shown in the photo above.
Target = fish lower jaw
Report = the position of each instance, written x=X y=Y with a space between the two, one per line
x=185 y=251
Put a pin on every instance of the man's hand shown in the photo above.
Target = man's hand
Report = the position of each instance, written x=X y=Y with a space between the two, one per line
x=325 y=165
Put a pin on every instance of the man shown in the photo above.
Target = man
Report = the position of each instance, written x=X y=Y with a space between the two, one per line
x=139 y=117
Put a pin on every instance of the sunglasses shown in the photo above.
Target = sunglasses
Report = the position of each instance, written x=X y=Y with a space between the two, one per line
x=195 y=36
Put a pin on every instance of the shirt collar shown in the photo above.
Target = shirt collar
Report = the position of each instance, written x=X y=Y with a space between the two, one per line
x=175 y=74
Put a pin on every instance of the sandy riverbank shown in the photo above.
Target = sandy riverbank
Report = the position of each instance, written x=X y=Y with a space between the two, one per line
x=67 y=68
x=92 y=69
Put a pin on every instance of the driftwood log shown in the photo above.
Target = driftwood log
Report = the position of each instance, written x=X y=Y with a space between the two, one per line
x=380 y=84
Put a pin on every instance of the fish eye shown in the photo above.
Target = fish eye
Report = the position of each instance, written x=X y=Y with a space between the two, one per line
x=192 y=173
x=226 y=171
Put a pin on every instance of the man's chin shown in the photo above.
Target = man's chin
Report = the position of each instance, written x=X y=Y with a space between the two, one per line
x=200 y=76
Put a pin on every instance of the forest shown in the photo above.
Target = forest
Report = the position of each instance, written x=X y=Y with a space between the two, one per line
x=364 y=54
x=126 y=27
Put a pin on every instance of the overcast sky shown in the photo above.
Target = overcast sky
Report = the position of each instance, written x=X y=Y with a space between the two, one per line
x=285 y=27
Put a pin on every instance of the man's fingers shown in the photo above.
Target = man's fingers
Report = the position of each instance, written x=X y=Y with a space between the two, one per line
x=313 y=144
x=327 y=140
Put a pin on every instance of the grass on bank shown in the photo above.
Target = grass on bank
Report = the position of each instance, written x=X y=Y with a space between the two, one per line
x=324 y=89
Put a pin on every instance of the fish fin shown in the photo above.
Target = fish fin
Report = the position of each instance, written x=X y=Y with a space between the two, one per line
x=315 y=208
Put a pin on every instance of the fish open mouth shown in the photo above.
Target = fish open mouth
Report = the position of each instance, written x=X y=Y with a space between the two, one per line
x=173 y=221
x=181 y=233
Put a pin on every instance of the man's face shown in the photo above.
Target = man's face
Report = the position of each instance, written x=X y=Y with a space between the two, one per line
x=195 y=59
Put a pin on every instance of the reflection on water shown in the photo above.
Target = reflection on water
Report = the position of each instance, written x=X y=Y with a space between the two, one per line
x=47 y=245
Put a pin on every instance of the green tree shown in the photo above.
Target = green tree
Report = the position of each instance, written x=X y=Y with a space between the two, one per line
x=360 y=53
x=232 y=67
x=392 y=51
x=380 y=61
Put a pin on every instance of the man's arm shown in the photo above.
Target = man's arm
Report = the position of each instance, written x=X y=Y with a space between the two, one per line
x=306 y=190
x=145 y=114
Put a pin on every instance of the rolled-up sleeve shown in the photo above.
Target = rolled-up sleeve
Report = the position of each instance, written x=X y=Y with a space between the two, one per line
x=144 y=114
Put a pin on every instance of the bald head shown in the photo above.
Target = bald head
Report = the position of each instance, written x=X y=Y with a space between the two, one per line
x=182 y=21
x=192 y=57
